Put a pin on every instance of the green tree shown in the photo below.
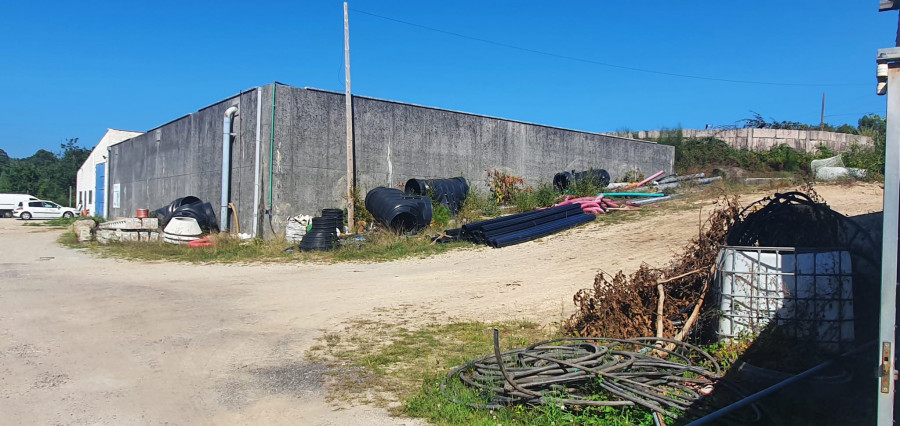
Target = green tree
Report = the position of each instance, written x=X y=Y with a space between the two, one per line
x=45 y=175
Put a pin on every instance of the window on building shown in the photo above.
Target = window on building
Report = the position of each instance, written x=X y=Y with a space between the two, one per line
x=90 y=197
x=80 y=200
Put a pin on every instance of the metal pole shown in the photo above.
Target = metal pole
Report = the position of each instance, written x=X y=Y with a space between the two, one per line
x=349 y=119
x=712 y=417
x=887 y=326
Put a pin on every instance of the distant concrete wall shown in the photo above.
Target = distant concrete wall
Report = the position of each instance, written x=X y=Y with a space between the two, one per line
x=394 y=142
x=761 y=140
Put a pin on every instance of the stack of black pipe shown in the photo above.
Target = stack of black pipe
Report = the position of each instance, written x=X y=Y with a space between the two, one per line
x=518 y=228
x=323 y=234
x=399 y=212
x=598 y=177
x=450 y=193
x=337 y=215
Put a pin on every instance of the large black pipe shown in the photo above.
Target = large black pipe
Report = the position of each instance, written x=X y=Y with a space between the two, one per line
x=598 y=177
x=399 y=212
x=540 y=231
x=451 y=193
x=535 y=215
x=531 y=223
x=192 y=207
x=476 y=231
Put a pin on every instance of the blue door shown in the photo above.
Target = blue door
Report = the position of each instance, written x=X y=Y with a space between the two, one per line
x=101 y=190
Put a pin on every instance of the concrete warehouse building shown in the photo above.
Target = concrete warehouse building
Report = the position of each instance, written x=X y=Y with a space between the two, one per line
x=286 y=154
x=90 y=181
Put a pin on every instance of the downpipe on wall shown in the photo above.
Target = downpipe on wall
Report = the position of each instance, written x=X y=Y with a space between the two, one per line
x=256 y=165
x=226 y=166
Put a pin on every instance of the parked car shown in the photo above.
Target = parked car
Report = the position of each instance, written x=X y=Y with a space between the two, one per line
x=9 y=202
x=40 y=209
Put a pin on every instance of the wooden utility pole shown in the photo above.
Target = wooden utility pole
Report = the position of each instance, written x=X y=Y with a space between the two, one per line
x=822 y=121
x=351 y=199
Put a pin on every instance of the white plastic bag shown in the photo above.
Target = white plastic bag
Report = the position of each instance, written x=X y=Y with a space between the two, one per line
x=296 y=228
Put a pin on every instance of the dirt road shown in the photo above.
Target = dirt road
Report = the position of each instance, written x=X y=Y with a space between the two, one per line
x=87 y=340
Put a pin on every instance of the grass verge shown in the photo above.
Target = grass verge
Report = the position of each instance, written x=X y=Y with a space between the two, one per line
x=378 y=247
x=387 y=361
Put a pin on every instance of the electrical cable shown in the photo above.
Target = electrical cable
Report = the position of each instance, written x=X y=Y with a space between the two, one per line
x=594 y=62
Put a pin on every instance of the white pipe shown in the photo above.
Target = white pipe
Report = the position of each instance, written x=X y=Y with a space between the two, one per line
x=106 y=189
x=226 y=166
x=256 y=170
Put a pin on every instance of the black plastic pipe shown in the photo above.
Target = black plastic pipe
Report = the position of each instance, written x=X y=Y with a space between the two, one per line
x=397 y=211
x=540 y=231
x=598 y=177
x=451 y=193
x=533 y=223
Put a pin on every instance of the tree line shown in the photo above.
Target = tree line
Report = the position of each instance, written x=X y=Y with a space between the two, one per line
x=46 y=175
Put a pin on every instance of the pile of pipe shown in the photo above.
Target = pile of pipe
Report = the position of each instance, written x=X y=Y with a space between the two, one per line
x=518 y=228
x=399 y=212
x=323 y=234
x=191 y=207
x=571 y=371
x=597 y=177
x=450 y=193
x=668 y=182
x=592 y=205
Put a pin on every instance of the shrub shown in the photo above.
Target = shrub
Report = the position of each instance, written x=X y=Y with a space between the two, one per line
x=531 y=198
x=504 y=186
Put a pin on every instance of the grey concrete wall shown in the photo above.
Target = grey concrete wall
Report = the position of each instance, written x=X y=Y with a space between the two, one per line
x=761 y=140
x=394 y=142
x=184 y=157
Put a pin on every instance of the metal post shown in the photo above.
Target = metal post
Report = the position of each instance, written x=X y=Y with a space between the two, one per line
x=887 y=321
x=349 y=119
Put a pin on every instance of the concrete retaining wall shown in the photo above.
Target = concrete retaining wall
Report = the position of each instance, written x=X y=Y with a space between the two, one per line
x=394 y=142
x=761 y=140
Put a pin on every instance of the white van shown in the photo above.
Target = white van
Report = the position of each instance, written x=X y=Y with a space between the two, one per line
x=9 y=202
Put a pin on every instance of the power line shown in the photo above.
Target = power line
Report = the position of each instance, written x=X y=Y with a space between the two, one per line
x=591 y=61
x=850 y=113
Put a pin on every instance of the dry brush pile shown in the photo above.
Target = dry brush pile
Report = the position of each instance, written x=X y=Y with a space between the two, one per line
x=664 y=302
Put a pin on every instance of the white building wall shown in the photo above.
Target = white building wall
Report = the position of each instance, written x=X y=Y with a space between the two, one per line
x=86 y=183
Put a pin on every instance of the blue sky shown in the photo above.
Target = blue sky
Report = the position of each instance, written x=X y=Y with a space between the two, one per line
x=74 y=69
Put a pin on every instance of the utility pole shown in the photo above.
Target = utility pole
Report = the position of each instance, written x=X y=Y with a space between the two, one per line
x=822 y=121
x=351 y=199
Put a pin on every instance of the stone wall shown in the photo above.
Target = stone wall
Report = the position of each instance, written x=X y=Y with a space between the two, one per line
x=761 y=140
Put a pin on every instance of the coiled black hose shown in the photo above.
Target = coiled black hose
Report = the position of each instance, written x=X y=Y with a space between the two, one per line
x=571 y=371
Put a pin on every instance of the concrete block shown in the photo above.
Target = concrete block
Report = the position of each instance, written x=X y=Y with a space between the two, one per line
x=131 y=223
x=84 y=229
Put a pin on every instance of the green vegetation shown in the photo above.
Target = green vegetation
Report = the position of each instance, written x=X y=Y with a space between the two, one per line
x=45 y=175
x=703 y=155
x=379 y=246
x=380 y=359
x=58 y=222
